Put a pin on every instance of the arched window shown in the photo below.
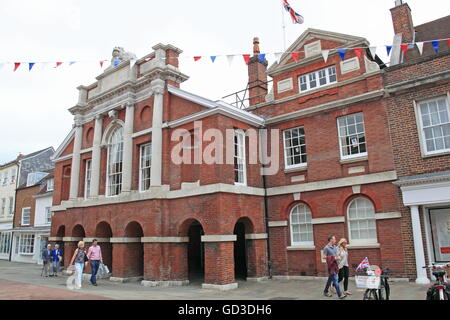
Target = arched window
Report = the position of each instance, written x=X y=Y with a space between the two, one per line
x=301 y=226
x=362 y=223
x=115 y=157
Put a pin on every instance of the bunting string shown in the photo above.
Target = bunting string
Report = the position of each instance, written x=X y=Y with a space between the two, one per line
x=295 y=55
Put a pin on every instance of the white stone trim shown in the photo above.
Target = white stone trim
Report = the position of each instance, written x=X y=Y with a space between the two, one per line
x=125 y=240
x=255 y=236
x=170 y=283
x=220 y=287
x=86 y=150
x=301 y=248
x=273 y=224
x=350 y=65
x=123 y=280
x=142 y=132
x=313 y=49
x=164 y=239
x=339 y=219
x=285 y=85
x=387 y=215
x=70 y=239
x=55 y=238
x=356 y=189
x=98 y=239
x=359 y=169
x=364 y=246
x=334 y=183
x=219 y=238
x=364 y=157
x=299 y=178
x=257 y=279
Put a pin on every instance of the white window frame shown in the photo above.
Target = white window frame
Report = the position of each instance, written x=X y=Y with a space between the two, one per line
x=366 y=241
x=240 y=158
x=421 y=128
x=26 y=241
x=340 y=137
x=308 y=224
x=3 y=212
x=22 y=223
x=48 y=215
x=50 y=184
x=5 y=242
x=13 y=175
x=11 y=206
x=108 y=172
x=87 y=178
x=297 y=165
x=142 y=169
x=5 y=178
x=316 y=75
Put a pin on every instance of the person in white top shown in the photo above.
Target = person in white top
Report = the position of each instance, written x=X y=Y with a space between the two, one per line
x=343 y=264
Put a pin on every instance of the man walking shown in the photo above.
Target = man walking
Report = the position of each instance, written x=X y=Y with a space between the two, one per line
x=47 y=260
x=95 y=258
x=330 y=252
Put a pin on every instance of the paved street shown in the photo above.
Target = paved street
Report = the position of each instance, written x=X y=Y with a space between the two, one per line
x=23 y=281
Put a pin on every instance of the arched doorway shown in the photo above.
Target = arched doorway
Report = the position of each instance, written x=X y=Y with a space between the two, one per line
x=196 y=252
x=134 y=250
x=242 y=226
x=78 y=231
x=103 y=233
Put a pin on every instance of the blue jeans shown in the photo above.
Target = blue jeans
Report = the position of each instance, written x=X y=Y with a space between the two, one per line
x=333 y=278
x=94 y=268
x=79 y=266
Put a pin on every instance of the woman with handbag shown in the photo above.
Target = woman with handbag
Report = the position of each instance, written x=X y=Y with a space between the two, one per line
x=343 y=264
x=79 y=258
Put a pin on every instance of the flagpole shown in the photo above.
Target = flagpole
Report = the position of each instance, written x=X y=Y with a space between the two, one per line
x=283 y=26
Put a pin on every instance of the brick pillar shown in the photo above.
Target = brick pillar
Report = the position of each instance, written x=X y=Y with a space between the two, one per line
x=257 y=258
x=127 y=259
x=69 y=249
x=278 y=252
x=219 y=265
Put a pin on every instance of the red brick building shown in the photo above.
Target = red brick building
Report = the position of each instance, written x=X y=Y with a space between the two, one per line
x=330 y=169
x=418 y=99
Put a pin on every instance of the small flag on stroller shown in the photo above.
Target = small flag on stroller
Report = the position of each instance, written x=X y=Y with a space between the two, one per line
x=363 y=265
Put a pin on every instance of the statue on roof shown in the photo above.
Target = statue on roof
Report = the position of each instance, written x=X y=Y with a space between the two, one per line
x=119 y=55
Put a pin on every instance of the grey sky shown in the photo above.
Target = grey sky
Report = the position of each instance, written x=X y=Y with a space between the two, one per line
x=34 y=104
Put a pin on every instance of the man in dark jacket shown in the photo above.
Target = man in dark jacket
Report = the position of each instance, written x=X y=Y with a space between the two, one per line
x=47 y=260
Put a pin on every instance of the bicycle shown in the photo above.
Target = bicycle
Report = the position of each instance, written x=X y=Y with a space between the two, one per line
x=376 y=283
x=440 y=290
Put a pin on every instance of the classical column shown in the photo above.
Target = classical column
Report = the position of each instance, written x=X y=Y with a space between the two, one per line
x=75 y=169
x=418 y=246
x=128 y=148
x=155 y=171
x=96 y=157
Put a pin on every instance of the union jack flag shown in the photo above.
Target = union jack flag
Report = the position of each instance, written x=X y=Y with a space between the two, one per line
x=296 y=18
x=363 y=265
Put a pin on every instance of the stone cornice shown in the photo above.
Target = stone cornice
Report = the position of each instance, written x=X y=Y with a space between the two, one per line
x=418 y=180
x=417 y=82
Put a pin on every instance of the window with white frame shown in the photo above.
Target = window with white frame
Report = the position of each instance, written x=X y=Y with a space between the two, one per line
x=87 y=179
x=48 y=215
x=352 y=137
x=11 y=206
x=50 y=184
x=435 y=123
x=294 y=147
x=26 y=216
x=301 y=226
x=317 y=79
x=239 y=157
x=145 y=166
x=115 y=158
x=35 y=177
x=5 y=178
x=13 y=175
x=3 y=207
x=362 y=223
x=26 y=243
x=5 y=242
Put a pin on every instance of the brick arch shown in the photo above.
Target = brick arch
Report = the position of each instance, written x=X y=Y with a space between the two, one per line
x=109 y=130
x=78 y=231
x=145 y=114
x=291 y=206
x=183 y=228
x=134 y=229
x=343 y=206
x=61 y=231
x=248 y=223
x=103 y=230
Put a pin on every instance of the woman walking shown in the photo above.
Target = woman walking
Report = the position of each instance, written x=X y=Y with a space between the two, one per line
x=79 y=257
x=343 y=264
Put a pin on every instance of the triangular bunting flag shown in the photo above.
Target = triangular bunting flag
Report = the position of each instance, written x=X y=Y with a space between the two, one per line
x=72 y=62
x=30 y=65
x=435 y=45
x=295 y=55
x=213 y=58
x=101 y=63
x=404 y=48
x=196 y=58
x=16 y=65
x=358 y=52
x=448 y=42
x=246 y=58
x=420 y=47
x=342 y=53
x=388 y=49
x=325 y=54
x=262 y=57
x=58 y=64
x=230 y=59
x=373 y=51
x=277 y=56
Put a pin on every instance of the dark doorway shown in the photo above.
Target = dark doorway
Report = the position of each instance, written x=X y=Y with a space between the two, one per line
x=240 y=252
x=196 y=253
x=103 y=230
x=135 y=251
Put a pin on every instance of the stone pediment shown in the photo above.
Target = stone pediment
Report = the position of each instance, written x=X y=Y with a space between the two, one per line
x=334 y=40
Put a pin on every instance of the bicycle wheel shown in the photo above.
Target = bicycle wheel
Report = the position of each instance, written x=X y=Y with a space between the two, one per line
x=370 y=294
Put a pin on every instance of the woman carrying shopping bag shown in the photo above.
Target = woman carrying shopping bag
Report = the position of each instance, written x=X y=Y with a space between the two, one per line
x=79 y=258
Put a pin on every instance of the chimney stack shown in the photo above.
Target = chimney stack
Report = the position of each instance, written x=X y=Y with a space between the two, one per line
x=402 y=21
x=257 y=76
